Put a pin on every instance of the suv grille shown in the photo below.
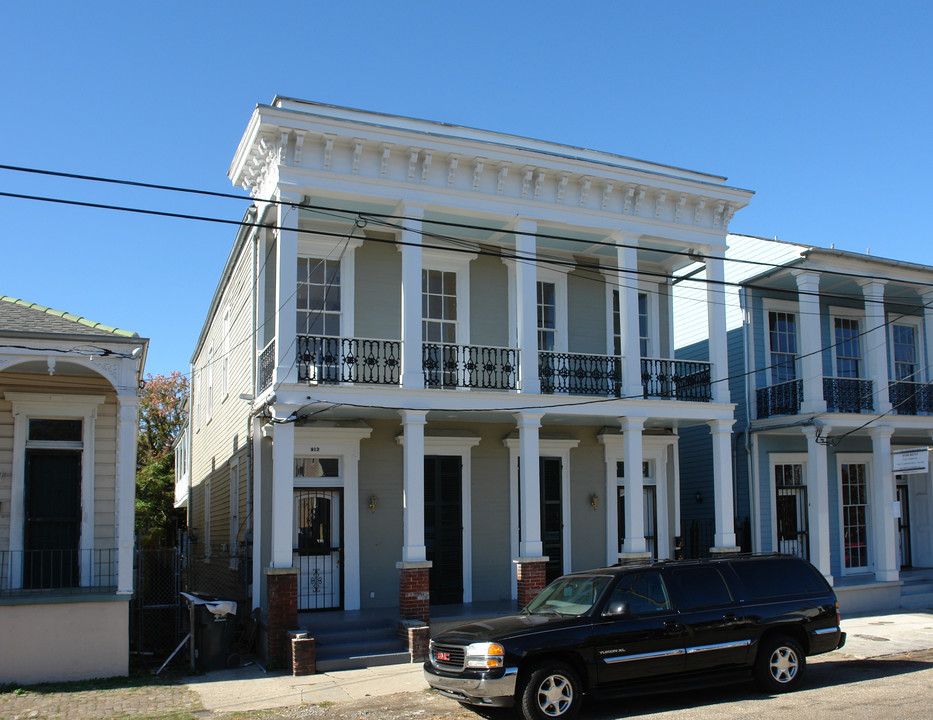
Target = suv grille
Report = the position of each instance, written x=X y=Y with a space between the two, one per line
x=448 y=657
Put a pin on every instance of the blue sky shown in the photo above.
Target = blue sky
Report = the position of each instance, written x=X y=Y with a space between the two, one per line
x=823 y=109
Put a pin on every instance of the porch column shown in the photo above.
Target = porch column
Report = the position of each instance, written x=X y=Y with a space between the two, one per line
x=286 y=281
x=526 y=295
x=128 y=426
x=811 y=342
x=927 y=298
x=634 y=545
x=716 y=323
x=412 y=368
x=257 y=516
x=283 y=502
x=414 y=579
x=818 y=500
x=884 y=528
x=531 y=563
x=724 y=540
x=875 y=342
x=627 y=260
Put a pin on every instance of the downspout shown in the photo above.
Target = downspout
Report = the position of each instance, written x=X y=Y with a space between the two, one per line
x=249 y=422
x=749 y=386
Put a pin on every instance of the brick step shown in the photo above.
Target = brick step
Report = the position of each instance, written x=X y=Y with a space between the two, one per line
x=356 y=643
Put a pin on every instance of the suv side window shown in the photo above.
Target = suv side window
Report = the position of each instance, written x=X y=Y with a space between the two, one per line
x=644 y=592
x=778 y=577
x=698 y=587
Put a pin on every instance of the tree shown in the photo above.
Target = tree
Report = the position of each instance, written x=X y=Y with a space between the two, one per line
x=162 y=414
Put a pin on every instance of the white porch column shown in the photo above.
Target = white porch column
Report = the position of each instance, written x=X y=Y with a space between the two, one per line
x=286 y=305
x=927 y=298
x=716 y=323
x=529 y=499
x=627 y=259
x=526 y=295
x=811 y=341
x=611 y=508
x=257 y=518
x=283 y=491
x=413 y=549
x=724 y=539
x=875 y=342
x=634 y=545
x=412 y=368
x=884 y=528
x=818 y=500
x=128 y=426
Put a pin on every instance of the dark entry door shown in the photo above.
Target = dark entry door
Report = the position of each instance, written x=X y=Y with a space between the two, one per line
x=552 y=518
x=650 y=518
x=53 y=518
x=443 y=528
x=903 y=528
x=792 y=525
x=318 y=548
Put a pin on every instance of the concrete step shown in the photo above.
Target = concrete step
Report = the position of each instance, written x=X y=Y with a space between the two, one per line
x=356 y=643
x=358 y=662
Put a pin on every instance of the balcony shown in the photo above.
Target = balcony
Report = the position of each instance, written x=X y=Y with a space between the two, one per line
x=847 y=395
x=332 y=360
x=781 y=399
x=676 y=379
x=266 y=365
x=579 y=374
x=910 y=398
x=469 y=366
x=53 y=573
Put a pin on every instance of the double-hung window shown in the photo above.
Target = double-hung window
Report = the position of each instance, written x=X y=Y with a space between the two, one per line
x=782 y=336
x=847 y=347
x=904 y=347
x=439 y=306
x=547 y=316
x=644 y=325
x=318 y=297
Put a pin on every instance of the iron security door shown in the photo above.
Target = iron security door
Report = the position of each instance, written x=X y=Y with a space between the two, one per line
x=903 y=528
x=53 y=518
x=318 y=548
x=552 y=517
x=792 y=527
x=443 y=527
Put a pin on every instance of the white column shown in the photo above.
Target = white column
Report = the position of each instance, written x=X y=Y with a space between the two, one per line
x=412 y=368
x=716 y=324
x=627 y=259
x=811 y=341
x=927 y=298
x=721 y=433
x=257 y=518
x=884 y=528
x=413 y=549
x=283 y=491
x=526 y=307
x=818 y=500
x=529 y=500
x=128 y=426
x=611 y=508
x=875 y=343
x=286 y=259
x=634 y=483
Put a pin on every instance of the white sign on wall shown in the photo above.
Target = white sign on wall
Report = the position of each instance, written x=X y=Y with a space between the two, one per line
x=910 y=461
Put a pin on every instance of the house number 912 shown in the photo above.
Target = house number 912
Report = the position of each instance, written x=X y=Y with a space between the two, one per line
x=314 y=449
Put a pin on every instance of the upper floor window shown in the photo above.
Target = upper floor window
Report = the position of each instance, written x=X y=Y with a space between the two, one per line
x=846 y=346
x=318 y=297
x=547 y=316
x=644 y=325
x=904 y=347
x=439 y=306
x=782 y=337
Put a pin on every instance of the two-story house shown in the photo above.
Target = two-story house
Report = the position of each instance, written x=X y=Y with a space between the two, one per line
x=435 y=355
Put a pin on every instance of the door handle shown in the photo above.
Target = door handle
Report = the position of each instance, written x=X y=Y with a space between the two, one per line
x=673 y=625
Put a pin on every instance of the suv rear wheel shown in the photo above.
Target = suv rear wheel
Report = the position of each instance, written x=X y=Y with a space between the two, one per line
x=552 y=690
x=779 y=665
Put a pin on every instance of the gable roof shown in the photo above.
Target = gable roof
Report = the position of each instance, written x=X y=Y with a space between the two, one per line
x=21 y=316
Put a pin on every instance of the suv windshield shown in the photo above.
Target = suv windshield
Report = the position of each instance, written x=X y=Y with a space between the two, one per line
x=572 y=595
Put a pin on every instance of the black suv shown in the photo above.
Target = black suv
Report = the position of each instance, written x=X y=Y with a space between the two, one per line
x=638 y=628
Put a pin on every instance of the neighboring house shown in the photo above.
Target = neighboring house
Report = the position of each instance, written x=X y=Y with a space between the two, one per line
x=831 y=381
x=68 y=426
x=412 y=311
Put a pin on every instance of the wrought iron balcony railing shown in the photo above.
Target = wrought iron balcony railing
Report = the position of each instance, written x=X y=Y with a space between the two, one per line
x=910 y=398
x=348 y=360
x=469 y=366
x=25 y=573
x=781 y=399
x=266 y=365
x=847 y=395
x=676 y=379
x=579 y=374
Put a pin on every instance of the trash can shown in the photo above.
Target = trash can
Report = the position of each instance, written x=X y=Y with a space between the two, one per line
x=213 y=631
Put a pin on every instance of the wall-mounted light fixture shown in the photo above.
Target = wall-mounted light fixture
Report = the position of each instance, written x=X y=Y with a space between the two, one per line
x=699 y=496
x=372 y=503
x=594 y=501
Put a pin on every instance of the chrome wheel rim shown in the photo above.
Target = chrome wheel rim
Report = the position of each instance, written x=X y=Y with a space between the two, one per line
x=555 y=695
x=784 y=665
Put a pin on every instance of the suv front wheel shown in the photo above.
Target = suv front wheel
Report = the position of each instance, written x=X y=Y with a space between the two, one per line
x=779 y=665
x=552 y=690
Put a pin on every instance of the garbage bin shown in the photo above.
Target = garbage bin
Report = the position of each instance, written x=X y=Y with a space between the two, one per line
x=213 y=631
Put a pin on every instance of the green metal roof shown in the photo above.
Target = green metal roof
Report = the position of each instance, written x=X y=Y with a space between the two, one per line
x=23 y=316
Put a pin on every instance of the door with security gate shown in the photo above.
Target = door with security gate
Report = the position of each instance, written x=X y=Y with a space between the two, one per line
x=318 y=548
x=790 y=502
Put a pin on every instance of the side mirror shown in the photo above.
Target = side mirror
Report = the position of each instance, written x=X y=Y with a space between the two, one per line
x=619 y=607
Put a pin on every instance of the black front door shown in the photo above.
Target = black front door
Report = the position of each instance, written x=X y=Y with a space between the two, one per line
x=53 y=518
x=552 y=519
x=443 y=528
x=903 y=528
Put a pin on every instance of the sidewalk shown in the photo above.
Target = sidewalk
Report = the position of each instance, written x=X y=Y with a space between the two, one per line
x=249 y=688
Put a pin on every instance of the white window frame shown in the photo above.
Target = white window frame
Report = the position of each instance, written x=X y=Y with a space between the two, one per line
x=917 y=323
x=780 y=458
x=866 y=460
x=848 y=314
x=559 y=278
x=770 y=305
x=445 y=261
x=344 y=252
x=652 y=292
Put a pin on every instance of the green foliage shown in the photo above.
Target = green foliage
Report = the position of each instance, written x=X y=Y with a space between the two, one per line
x=162 y=414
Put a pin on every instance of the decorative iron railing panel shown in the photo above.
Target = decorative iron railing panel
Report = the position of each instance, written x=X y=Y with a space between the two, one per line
x=469 y=366
x=847 y=395
x=348 y=360
x=781 y=399
x=676 y=379
x=57 y=572
x=910 y=398
x=266 y=365
x=578 y=374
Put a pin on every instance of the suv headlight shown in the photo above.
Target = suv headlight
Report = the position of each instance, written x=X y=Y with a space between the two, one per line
x=485 y=655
